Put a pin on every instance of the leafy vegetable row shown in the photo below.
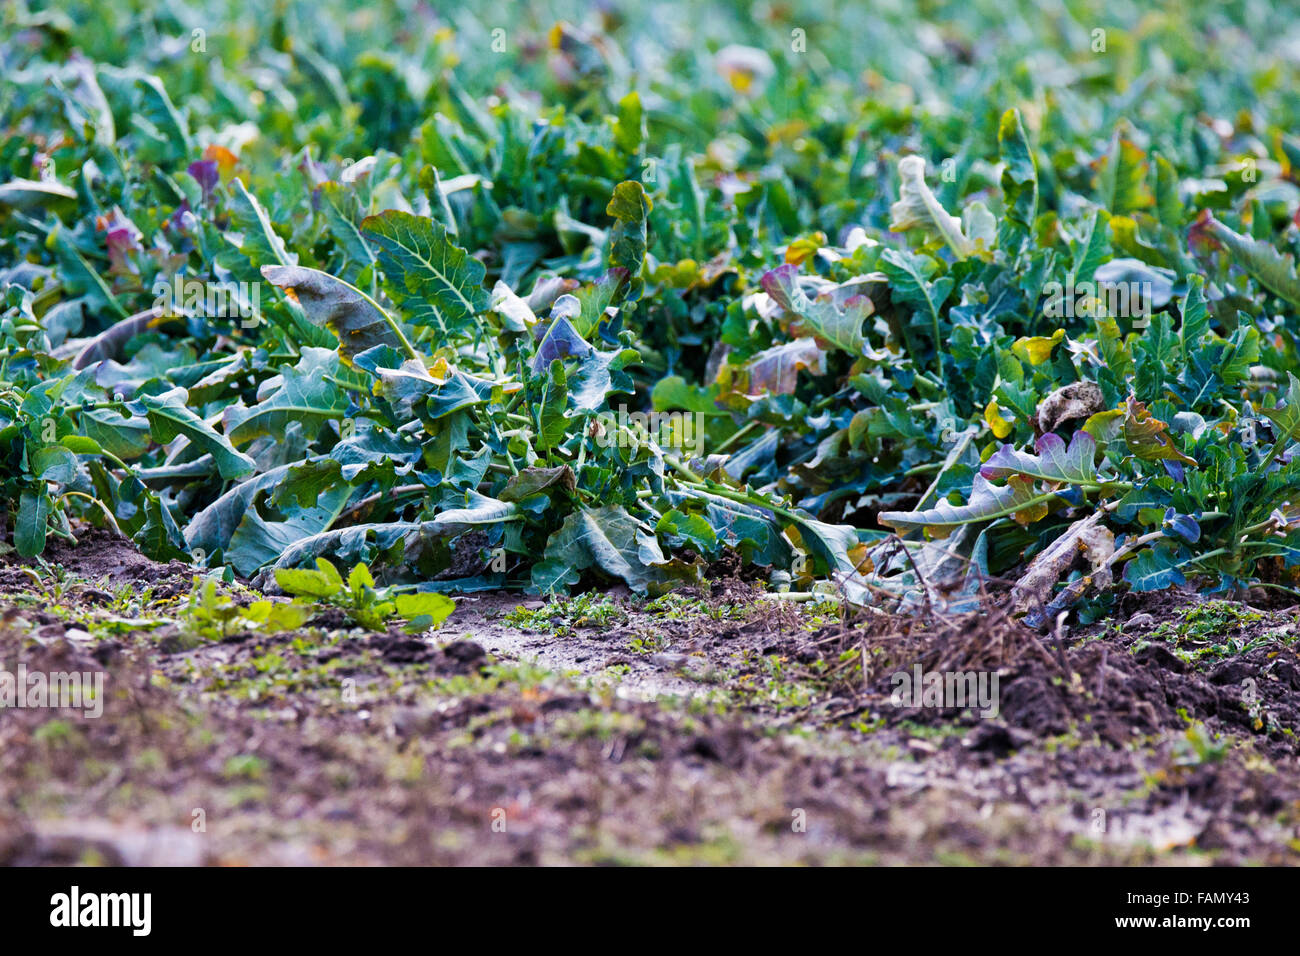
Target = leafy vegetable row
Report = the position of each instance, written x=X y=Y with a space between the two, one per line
x=525 y=340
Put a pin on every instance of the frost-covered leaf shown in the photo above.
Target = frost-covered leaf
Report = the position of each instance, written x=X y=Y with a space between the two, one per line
x=838 y=326
x=356 y=320
x=917 y=208
x=985 y=502
x=1054 y=461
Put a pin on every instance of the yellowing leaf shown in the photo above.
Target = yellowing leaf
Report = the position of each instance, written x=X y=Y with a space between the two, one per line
x=224 y=158
x=1036 y=349
x=1147 y=436
x=804 y=248
x=1000 y=426
x=1105 y=426
x=1034 y=512
x=858 y=555
x=746 y=68
x=425 y=605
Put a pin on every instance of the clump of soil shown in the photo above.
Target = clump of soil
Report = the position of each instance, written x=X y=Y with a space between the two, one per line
x=1120 y=687
x=1123 y=694
x=99 y=556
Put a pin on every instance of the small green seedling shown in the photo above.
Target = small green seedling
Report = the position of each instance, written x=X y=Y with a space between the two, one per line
x=213 y=615
x=358 y=597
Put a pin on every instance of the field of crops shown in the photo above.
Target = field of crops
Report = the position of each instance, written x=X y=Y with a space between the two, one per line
x=958 y=334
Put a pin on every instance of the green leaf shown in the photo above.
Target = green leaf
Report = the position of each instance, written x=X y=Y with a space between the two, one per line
x=331 y=573
x=1273 y=270
x=29 y=194
x=305 y=583
x=257 y=240
x=1089 y=252
x=169 y=415
x=426 y=608
x=340 y=207
x=629 y=124
x=1019 y=173
x=34 y=508
x=1196 y=319
x=1155 y=352
x=1169 y=205
x=986 y=502
x=54 y=463
x=1287 y=417
x=159 y=537
x=1153 y=569
x=606 y=538
x=152 y=115
x=749 y=528
x=276 y=617
x=692 y=529
x=436 y=281
x=360 y=578
x=1122 y=181
x=305 y=395
x=81 y=277
x=829 y=544
x=257 y=542
x=80 y=445
x=212 y=527
x=909 y=282
x=840 y=327
x=627 y=240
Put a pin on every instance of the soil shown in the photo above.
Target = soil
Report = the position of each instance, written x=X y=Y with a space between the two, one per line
x=719 y=727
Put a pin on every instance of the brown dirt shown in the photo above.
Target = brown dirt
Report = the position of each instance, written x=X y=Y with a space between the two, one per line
x=737 y=729
x=103 y=557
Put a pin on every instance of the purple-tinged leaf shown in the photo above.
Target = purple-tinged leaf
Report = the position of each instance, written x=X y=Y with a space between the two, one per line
x=1054 y=462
